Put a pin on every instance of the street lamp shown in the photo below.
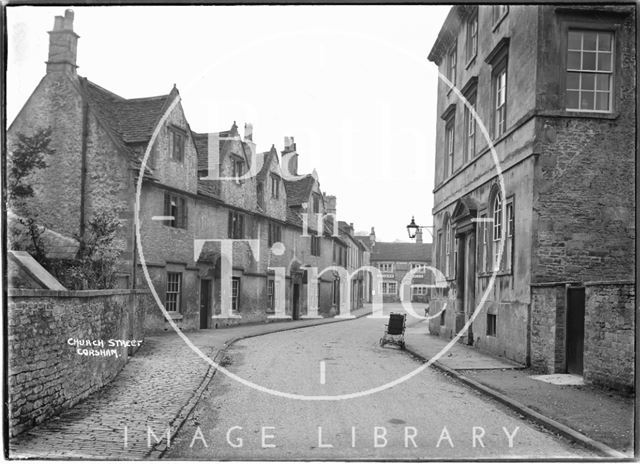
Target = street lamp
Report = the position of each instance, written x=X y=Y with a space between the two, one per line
x=412 y=228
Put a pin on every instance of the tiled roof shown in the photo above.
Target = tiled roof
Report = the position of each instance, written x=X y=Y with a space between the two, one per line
x=127 y=121
x=133 y=119
x=293 y=218
x=390 y=251
x=298 y=191
x=201 y=142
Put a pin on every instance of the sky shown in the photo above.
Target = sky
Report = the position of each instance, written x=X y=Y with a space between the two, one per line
x=351 y=84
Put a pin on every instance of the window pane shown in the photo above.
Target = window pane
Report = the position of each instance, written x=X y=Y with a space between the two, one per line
x=586 y=100
x=573 y=60
x=602 y=101
x=589 y=40
x=604 y=41
x=588 y=81
x=573 y=80
x=575 y=39
x=588 y=61
x=604 y=61
x=602 y=82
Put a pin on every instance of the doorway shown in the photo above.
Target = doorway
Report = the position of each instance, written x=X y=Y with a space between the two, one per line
x=575 y=330
x=470 y=281
x=205 y=303
x=296 y=301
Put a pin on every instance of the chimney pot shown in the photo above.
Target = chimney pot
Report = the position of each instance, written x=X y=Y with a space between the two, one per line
x=68 y=20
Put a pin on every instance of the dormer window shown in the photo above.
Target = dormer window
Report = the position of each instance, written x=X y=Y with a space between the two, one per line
x=237 y=168
x=316 y=203
x=177 y=139
x=275 y=186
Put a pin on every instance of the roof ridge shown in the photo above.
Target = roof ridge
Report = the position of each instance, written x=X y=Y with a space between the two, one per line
x=103 y=89
x=156 y=97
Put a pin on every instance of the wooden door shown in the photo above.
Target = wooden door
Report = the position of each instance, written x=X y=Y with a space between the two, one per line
x=205 y=303
x=575 y=330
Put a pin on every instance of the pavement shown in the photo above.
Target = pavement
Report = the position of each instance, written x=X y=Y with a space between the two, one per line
x=600 y=419
x=159 y=385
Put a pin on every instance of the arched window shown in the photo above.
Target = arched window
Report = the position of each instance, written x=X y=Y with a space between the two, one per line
x=497 y=228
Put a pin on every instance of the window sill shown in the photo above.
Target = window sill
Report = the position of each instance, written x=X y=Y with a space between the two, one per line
x=485 y=275
x=581 y=114
x=175 y=227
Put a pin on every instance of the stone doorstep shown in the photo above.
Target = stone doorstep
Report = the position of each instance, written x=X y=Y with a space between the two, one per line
x=560 y=379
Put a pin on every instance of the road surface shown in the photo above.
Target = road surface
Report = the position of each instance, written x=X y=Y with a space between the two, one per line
x=430 y=416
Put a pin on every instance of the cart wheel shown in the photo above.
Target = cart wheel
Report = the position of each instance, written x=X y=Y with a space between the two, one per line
x=402 y=345
x=382 y=342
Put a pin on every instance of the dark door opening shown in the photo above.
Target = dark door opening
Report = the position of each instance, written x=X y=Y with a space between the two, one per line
x=296 y=301
x=205 y=303
x=575 y=330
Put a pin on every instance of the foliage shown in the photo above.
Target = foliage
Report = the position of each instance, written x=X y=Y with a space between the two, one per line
x=27 y=156
x=97 y=264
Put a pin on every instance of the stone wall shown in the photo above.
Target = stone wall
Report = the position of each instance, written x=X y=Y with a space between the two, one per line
x=609 y=334
x=45 y=373
x=584 y=197
x=608 y=355
x=548 y=307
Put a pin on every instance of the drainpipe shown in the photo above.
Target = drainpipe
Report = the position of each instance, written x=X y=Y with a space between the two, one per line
x=83 y=171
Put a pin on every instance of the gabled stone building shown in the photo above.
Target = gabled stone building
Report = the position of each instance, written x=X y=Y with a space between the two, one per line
x=187 y=203
x=553 y=87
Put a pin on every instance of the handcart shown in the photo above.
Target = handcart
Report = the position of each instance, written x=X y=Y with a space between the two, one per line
x=394 y=330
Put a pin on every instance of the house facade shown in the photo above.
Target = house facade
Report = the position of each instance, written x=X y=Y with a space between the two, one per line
x=403 y=269
x=533 y=200
x=224 y=242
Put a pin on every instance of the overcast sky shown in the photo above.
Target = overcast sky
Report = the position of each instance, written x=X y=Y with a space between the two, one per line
x=351 y=84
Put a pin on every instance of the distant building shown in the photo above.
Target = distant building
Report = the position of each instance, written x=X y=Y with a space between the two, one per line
x=395 y=260
x=555 y=88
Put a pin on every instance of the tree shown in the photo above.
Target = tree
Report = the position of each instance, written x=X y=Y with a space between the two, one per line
x=27 y=156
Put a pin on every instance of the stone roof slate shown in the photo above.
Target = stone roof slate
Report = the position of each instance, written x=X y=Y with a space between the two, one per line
x=391 y=251
x=298 y=191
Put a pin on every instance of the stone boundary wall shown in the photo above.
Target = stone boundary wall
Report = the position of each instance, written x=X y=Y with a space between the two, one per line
x=548 y=307
x=609 y=340
x=609 y=330
x=45 y=374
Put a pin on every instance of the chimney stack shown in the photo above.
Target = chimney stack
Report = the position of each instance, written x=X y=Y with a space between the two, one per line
x=372 y=237
x=290 y=147
x=331 y=204
x=63 y=45
x=248 y=131
x=419 y=236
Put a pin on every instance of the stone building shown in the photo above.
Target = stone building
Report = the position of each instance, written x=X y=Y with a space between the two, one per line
x=549 y=214
x=198 y=190
x=395 y=260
